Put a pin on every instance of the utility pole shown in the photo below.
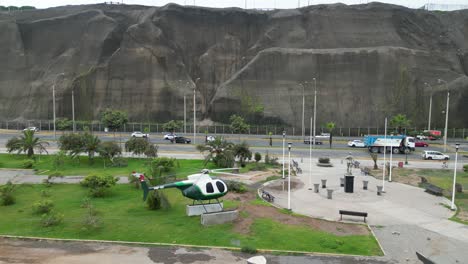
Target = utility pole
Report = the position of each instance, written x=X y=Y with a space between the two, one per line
x=195 y=111
x=53 y=102
x=315 y=106
x=430 y=108
x=303 y=111
x=446 y=113
x=73 y=110
x=384 y=157
x=185 y=116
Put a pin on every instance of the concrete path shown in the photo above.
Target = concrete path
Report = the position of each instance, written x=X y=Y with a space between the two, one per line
x=405 y=219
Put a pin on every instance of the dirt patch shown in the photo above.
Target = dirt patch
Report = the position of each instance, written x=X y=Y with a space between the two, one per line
x=412 y=177
x=242 y=224
x=278 y=186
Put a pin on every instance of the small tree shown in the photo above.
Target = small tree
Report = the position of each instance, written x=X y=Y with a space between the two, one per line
x=6 y=194
x=64 y=124
x=257 y=157
x=72 y=143
x=114 y=119
x=374 y=157
x=151 y=151
x=219 y=151
x=400 y=121
x=91 y=144
x=159 y=166
x=172 y=125
x=242 y=152
x=136 y=145
x=109 y=150
x=26 y=143
x=331 y=126
x=238 y=125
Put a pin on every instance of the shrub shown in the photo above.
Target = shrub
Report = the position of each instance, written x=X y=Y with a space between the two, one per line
x=157 y=200
x=151 y=151
x=59 y=159
x=271 y=160
x=324 y=160
x=235 y=186
x=158 y=166
x=98 y=184
x=27 y=164
x=136 y=145
x=249 y=250
x=43 y=207
x=6 y=194
x=465 y=168
x=45 y=194
x=109 y=150
x=257 y=157
x=91 y=220
x=85 y=203
x=51 y=219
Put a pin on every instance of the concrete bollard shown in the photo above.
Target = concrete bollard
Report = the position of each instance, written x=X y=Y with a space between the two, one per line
x=342 y=182
x=324 y=184
x=316 y=187
x=379 y=190
x=329 y=193
x=364 y=185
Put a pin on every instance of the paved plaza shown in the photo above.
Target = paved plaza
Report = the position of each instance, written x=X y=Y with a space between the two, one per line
x=405 y=219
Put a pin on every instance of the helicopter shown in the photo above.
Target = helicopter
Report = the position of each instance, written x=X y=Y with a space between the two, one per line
x=198 y=187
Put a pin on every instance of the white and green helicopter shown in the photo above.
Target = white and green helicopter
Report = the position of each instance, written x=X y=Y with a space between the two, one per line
x=198 y=187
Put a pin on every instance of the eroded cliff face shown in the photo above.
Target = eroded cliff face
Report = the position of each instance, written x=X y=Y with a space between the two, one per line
x=368 y=61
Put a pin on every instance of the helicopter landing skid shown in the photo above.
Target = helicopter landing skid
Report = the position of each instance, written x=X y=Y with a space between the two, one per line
x=202 y=208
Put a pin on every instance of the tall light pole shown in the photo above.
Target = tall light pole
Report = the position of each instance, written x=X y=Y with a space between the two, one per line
x=454 y=176
x=384 y=157
x=303 y=110
x=53 y=102
x=185 y=115
x=195 y=111
x=284 y=138
x=430 y=108
x=73 y=109
x=289 y=175
x=446 y=113
x=391 y=163
x=315 y=106
x=310 y=157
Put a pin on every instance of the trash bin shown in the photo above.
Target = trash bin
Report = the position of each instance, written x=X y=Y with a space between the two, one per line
x=379 y=190
x=324 y=184
x=316 y=187
x=341 y=182
x=364 y=185
x=329 y=193
x=400 y=164
x=349 y=183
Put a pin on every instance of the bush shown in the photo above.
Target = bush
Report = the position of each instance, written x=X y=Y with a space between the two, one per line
x=157 y=200
x=27 y=164
x=235 y=186
x=249 y=250
x=6 y=194
x=51 y=219
x=98 y=184
x=271 y=160
x=465 y=168
x=257 y=157
x=158 y=166
x=136 y=145
x=324 y=160
x=43 y=207
x=91 y=220
x=59 y=159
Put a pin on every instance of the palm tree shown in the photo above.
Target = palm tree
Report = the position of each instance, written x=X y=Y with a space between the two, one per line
x=243 y=152
x=400 y=121
x=218 y=150
x=91 y=144
x=331 y=126
x=26 y=143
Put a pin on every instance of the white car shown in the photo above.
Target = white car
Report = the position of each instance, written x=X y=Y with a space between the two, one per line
x=170 y=136
x=323 y=135
x=210 y=138
x=434 y=155
x=35 y=129
x=138 y=134
x=356 y=143
x=421 y=137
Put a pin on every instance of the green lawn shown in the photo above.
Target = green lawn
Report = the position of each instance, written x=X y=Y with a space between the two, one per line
x=125 y=218
x=44 y=165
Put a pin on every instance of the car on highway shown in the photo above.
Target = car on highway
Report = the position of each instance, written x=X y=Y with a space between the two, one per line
x=309 y=141
x=170 y=136
x=356 y=143
x=210 y=138
x=138 y=134
x=421 y=137
x=323 y=135
x=35 y=129
x=421 y=144
x=434 y=155
x=183 y=140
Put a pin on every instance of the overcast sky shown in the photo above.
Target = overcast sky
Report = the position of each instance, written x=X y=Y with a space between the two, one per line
x=225 y=3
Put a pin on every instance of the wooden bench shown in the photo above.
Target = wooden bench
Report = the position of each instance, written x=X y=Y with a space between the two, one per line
x=432 y=189
x=344 y=212
x=267 y=196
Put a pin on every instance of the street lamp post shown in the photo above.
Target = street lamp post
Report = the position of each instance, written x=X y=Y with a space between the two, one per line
x=303 y=110
x=284 y=138
x=430 y=108
x=446 y=113
x=315 y=106
x=289 y=175
x=73 y=109
x=384 y=157
x=454 y=176
x=195 y=111
x=53 y=102
x=310 y=157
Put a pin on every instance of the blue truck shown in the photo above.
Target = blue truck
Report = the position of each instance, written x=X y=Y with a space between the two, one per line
x=397 y=144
